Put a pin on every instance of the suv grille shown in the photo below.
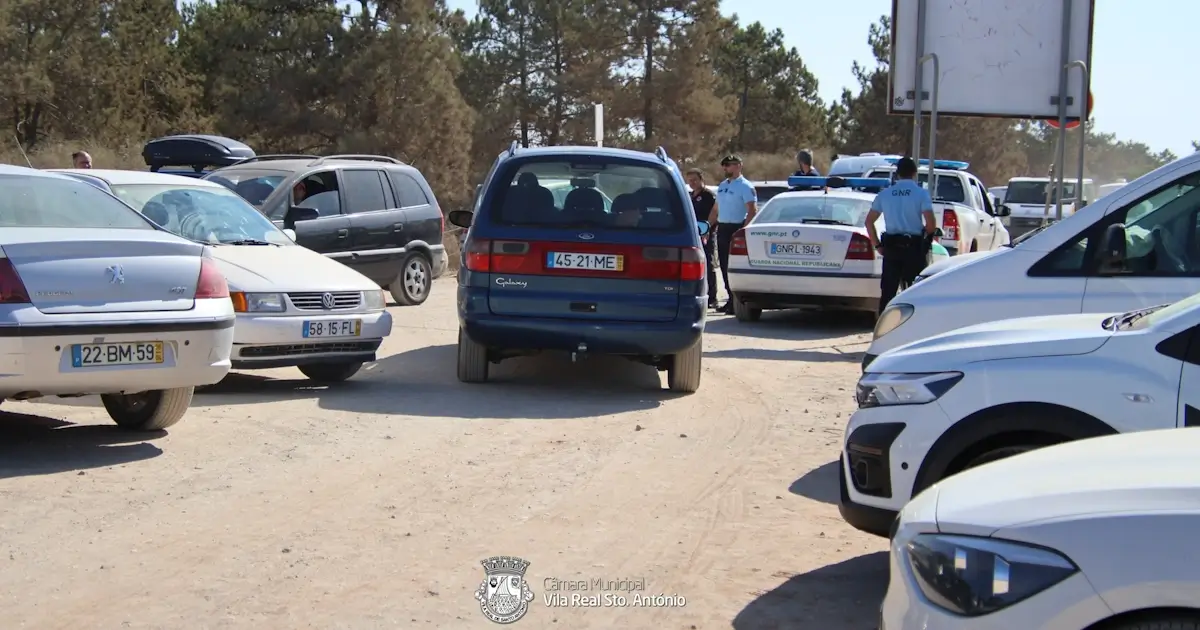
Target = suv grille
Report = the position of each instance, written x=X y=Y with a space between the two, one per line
x=342 y=300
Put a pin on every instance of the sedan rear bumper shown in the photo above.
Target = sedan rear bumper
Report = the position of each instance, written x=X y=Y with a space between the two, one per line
x=37 y=360
x=597 y=337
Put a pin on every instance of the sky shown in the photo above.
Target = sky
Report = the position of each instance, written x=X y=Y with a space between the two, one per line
x=1137 y=49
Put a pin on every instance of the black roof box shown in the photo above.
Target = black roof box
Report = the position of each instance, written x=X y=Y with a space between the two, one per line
x=196 y=151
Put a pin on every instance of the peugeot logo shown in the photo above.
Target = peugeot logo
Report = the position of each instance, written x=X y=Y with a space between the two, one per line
x=587 y=236
x=116 y=275
x=327 y=301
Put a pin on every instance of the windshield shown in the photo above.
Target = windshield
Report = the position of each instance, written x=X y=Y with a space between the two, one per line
x=254 y=185
x=766 y=193
x=202 y=213
x=815 y=209
x=950 y=188
x=1034 y=192
x=36 y=201
x=589 y=192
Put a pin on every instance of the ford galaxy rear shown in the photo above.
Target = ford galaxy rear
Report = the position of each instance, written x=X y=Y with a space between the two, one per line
x=624 y=276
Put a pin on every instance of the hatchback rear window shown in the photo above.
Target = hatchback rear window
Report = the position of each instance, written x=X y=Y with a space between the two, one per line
x=815 y=209
x=253 y=185
x=588 y=192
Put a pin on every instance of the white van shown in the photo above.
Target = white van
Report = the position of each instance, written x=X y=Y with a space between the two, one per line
x=1026 y=197
x=1133 y=248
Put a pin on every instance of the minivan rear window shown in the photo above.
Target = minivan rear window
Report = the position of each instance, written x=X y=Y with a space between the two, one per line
x=587 y=192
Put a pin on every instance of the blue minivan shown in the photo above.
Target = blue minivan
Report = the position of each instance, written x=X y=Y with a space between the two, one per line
x=615 y=268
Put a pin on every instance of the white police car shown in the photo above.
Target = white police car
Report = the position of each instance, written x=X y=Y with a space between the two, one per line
x=809 y=248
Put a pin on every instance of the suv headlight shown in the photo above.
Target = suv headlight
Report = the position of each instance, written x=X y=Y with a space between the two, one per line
x=257 y=302
x=373 y=300
x=883 y=390
x=892 y=318
x=973 y=576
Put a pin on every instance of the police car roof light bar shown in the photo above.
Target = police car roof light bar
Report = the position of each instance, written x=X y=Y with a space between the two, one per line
x=950 y=165
x=799 y=181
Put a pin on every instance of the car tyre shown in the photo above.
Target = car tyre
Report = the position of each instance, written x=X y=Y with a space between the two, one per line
x=472 y=360
x=1164 y=622
x=330 y=372
x=744 y=311
x=412 y=283
x=148 y=411
x=683 y=373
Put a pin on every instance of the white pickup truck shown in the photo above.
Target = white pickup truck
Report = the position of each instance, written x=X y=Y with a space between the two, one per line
x=963 y=207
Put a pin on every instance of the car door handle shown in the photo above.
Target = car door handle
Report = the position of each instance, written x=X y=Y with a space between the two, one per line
x=343 y=233
x=398 y=227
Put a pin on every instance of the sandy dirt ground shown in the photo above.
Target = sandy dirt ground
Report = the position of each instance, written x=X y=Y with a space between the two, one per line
x=278 y=505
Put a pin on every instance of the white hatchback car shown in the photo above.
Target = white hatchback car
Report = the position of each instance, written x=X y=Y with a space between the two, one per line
x=933 y=408
x=1093 y=535
x=94 y=299
x=294 y=306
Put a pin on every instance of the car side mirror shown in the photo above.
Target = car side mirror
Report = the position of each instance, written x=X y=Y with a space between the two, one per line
x=1113 y=252
x=702 y=227
x=995 y=201
x=461 y=218
x=298 y=213
x=290 y=233
x=1004 y=211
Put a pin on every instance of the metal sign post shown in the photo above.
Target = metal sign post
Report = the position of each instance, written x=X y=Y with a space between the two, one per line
x=918 y=93
x=1085 y=102
x=1063 y=97
x=932 y=178
x=599 y=124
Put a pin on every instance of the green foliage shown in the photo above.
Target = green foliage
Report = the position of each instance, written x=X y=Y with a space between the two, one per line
x=412 y=79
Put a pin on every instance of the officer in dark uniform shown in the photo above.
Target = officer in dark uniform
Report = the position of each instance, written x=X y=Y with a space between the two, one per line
x=909 y=226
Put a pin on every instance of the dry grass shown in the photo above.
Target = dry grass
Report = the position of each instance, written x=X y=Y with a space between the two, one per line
x=770 y=166
x=58 y=154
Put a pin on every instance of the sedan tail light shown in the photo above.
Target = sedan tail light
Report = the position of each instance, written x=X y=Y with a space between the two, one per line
x=211 y=283
x=12 y=289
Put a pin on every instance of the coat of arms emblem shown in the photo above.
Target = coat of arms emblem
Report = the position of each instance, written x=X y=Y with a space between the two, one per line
x=504 y=595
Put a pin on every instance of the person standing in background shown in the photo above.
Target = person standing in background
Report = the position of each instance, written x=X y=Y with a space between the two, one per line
x=81 y=159
x=804 y=159
x=703 y=202
x=737 y=202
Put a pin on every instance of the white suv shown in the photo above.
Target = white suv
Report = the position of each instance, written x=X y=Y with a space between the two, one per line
x=935 y=407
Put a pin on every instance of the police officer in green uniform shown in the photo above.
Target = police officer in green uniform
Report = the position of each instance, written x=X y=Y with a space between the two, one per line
x=909 y=226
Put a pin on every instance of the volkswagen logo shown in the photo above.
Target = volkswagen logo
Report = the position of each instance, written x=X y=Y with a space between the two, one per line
x=327 y=301
x=587 y=236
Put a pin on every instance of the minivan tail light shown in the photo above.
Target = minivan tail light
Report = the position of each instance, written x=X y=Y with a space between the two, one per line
x=737 y=244
x=950 y=224
x=860 y=248
x=211 y=283
x=12 y=289
x=479 y=255
x=692 y=264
